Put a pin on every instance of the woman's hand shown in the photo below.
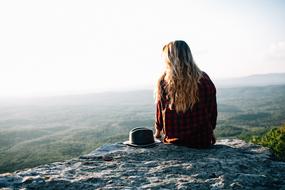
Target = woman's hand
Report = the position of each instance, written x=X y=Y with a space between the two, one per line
x=213 y=139
x=157 y=133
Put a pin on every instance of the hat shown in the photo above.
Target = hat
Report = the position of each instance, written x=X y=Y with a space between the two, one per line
x=141 y=138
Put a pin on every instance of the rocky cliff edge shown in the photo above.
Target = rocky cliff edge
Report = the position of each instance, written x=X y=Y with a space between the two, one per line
x=230 y=164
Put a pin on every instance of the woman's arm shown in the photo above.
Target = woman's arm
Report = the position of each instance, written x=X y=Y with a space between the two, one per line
x=157 y=133
x=158 y=120
x=211 y=102
x=214 y=112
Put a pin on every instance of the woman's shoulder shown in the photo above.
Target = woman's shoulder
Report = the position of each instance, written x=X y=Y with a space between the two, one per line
x=207 y=82
x=205 y=75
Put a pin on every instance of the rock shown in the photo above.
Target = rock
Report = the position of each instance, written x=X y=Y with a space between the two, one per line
x=230 y=164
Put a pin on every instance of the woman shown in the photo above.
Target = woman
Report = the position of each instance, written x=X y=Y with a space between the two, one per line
x=186 y=107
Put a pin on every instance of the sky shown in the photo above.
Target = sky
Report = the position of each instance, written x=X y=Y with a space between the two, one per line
x=68 y=47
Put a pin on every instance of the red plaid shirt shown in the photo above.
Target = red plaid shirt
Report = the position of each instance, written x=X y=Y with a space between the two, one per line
x=194 y=128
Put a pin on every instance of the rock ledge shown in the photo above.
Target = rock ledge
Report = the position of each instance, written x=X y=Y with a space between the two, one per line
x=230 y=164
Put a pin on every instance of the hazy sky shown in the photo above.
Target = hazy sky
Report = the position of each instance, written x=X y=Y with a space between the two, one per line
x=58 y=47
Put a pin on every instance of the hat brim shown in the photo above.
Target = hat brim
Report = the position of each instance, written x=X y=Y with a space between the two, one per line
x=142 y=146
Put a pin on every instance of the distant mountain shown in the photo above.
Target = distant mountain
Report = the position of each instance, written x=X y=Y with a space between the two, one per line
x=146 y=96
x=252 y=80
x=136 y=97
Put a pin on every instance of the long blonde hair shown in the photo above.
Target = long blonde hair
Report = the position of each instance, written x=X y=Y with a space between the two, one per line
x=181 y=77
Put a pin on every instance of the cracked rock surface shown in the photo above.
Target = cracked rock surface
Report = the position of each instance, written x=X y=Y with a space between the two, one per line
x=230 y=164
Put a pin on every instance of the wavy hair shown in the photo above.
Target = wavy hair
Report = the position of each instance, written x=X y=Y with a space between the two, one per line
x=181 y=77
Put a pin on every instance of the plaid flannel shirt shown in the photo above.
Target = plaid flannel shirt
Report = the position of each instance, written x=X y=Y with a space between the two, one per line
x=194 y=128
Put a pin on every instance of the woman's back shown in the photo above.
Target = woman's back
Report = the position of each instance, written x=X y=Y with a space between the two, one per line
x=193 y=126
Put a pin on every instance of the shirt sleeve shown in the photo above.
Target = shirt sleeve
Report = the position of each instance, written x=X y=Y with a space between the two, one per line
x=158 y=117
x=212 y=102
x=213 y=110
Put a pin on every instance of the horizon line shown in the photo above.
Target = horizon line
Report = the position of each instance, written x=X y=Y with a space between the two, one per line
x=109 y=90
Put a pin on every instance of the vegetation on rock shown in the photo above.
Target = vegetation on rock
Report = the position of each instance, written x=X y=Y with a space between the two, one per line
x=273 y=139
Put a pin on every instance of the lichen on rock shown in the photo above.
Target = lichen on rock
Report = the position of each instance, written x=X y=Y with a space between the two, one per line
x=230 y=164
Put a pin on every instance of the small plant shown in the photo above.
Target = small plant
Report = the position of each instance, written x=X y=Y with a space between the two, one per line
x=273 y=139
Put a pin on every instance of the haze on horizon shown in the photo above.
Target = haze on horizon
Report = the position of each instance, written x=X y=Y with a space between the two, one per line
x=61 y=47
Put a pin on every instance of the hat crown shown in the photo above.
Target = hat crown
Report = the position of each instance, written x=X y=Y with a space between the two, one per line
x=141 y=136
